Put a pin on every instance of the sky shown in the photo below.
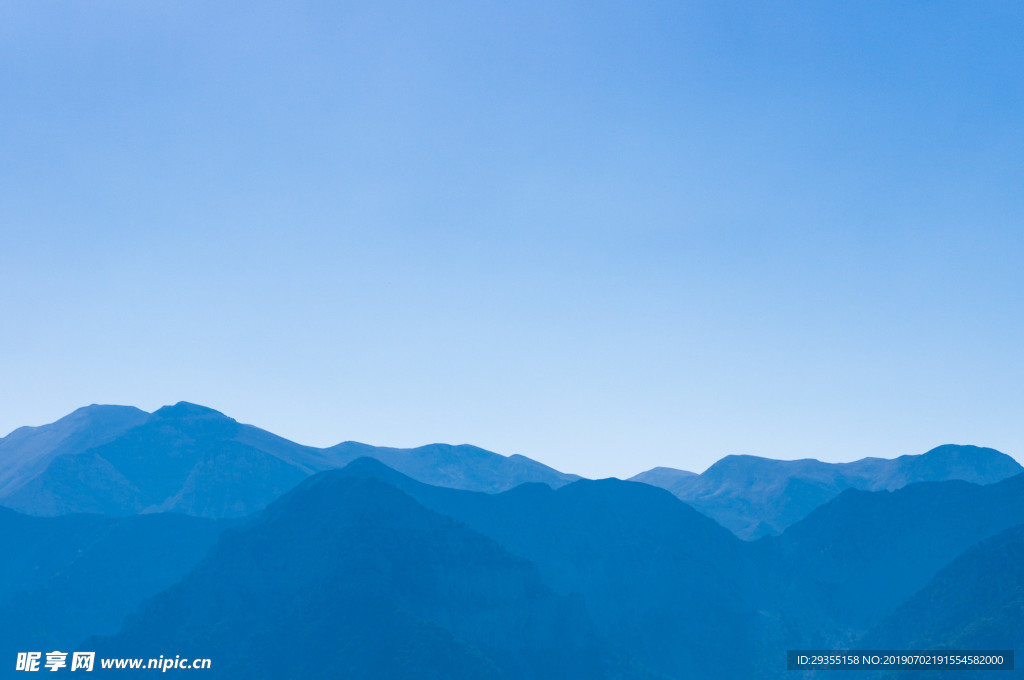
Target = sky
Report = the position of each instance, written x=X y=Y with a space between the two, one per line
x=604 y=235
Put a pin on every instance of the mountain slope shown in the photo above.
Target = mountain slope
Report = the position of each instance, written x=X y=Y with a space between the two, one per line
x=758 y=496
x=77 y=575
x=26 y=452
x=838 y=572
x=975 y=602
x=347 y=575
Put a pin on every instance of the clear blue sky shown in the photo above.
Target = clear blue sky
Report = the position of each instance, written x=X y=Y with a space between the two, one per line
x=604 y=235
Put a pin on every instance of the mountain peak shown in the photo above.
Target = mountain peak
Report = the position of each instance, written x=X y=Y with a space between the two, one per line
x=185 y=409
x=94 y=410
x=965 y=451
x=661 y=472
x=976 y=464
x=365 y=466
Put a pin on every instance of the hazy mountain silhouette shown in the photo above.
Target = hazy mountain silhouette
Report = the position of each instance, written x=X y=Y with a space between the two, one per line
x=192 y=459
x=758 y=496
x=26 y=452
x=119 y=460
x=665 y=477
x=348 y=576
x=63 y=578
x=184 y=457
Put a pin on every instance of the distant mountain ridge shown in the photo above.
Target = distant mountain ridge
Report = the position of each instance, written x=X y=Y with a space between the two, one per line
x=756 y=496
x=118 y=460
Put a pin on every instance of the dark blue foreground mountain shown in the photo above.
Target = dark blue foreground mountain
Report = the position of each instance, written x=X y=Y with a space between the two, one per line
x=976 y=602
x=389 y=577
x=657 y=577
x=349 y=577
x=836 y=574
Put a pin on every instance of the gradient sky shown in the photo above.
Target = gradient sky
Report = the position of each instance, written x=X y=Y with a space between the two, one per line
x=607 y=236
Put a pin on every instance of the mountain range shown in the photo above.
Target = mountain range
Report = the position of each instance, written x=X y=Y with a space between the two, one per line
x=383 y=575
x=208 y=538
x=119 y=460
